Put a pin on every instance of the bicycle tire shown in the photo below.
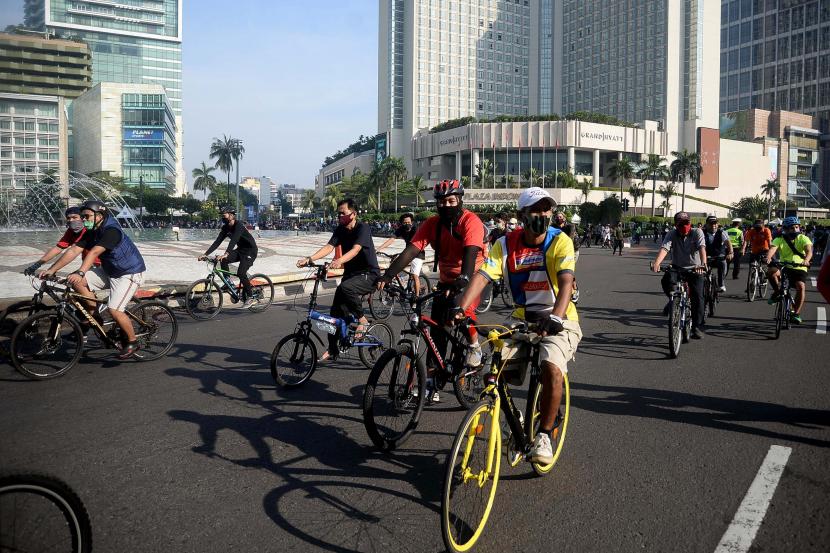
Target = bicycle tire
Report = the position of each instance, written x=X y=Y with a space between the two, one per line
x=763 y=287
x=675 y=332
x=381 y=304
x=263 y=293
x=402 y=396
x=153 y=347
x=560 y=429
x=713 y=298
x=12 y=316
x=506 y=297
x=467 y=387
x=60 y=495
x=751 y=285
x=426 y=288
x=203 y=299
x=486 y=299
x=375 y=332
x=23 y=332
x=473 y=436
x=306 y=364
x=787 y=311
x=779 y=317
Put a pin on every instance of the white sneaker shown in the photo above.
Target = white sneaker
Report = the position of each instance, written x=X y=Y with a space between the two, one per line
x=541 y=450
x=474 y=357
x=722 y=289
x=435 y=397
x=250 y=302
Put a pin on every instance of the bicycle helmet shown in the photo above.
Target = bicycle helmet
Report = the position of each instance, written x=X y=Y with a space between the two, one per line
x=228 y=209
x=790 y=221
x=96 y=206
x=447 y=188
x=711 y=219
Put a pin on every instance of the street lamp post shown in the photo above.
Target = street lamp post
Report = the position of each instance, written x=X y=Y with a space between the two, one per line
x=240 y=142
x=141 y=199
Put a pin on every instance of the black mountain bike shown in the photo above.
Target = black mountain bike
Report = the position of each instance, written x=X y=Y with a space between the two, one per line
x=382 y=302
x=50 y=342
x=680 y=313
x=399 y=385
x=294 y=358
x=41 y=513
x=711 y=290
x=784 y=305
x=203 y=299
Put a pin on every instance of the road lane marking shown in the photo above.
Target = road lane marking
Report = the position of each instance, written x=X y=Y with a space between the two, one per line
x=813 y=280
x=821 y=321
x=741 y=532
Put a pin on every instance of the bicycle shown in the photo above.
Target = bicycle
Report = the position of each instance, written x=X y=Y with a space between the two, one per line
x=399 y=387
x=711 y=288
x=50 y=342
x=784 y=305
x=382 y=302
x=203 y=299
x=14 y=314
x=756 y=281
x=295 y=365
x=680 y=312
x=474 y=461
x=497 y=288
x=41 y=513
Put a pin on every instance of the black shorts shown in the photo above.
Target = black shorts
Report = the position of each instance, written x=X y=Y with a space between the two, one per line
x=795 y=275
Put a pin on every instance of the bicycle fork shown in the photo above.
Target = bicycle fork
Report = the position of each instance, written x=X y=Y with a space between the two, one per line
x=476 y=428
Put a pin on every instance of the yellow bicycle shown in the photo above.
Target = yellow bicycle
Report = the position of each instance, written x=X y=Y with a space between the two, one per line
x=474 y=461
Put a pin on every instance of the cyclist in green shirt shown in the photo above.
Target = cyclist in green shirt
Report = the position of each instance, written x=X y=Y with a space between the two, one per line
x=736 y=238
x=792 y=247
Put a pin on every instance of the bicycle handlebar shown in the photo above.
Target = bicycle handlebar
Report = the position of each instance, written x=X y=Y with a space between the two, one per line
x=774 y=262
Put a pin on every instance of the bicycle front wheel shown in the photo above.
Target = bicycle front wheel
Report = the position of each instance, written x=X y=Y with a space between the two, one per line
x=712 y=297
x=393 y=398
x=381 y=304
x=262 y=290
x=752 y=285
x=779 y=317
x=375 y=340
x=203 y=299
x=40 y=513
x=675 y=332
x=293 y=360
x=560 y=425
x=505 y=294
x=472 y=477
x=486 y=299
x=468 y=386
x=157 y=329
x=46 y=345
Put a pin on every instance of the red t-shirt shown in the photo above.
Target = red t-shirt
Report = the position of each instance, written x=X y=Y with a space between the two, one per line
x=69 y=238
x=470 y=230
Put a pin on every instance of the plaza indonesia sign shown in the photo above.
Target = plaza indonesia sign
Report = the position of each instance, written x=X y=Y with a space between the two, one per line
x=144 y=134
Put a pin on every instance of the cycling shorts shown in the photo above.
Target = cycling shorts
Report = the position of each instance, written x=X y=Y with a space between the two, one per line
x=795 y=275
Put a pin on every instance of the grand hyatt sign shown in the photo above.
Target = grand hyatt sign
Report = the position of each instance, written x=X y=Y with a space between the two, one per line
x=602 y=136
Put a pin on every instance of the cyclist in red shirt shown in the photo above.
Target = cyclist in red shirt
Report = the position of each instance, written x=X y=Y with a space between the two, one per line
x=457 y=236
x=75 y=231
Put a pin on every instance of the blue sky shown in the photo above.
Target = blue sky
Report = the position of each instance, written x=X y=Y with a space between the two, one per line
x=295 y=80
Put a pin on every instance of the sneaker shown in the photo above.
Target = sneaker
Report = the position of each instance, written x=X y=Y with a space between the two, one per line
x=722 y=289
x=697 y=334
x=435 y=397
x=129 y=350
x=541 y=451
x=474 y=357
x=774 y=298
x=250 y=302
x=796 y=318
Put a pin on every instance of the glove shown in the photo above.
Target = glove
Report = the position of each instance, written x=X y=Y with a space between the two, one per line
x=32 y=269
x=552 y=325
x=452 y=313
x=460 y=283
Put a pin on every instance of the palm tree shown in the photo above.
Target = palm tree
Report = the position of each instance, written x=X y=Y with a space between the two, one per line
x=585 y=186
x=549 y=178
x=686 y=164
x=484 y=171
x=308 y=200
x=394 y=169
x=330 y=199
x=667 y=191
x=636 y=192
x=621 y=170
x=222 y=150
x=237 y=149
x=202 y=179
x=531 y=175
x=417 y=183
x=508 y=181
x=771 y=189
x=654 y=169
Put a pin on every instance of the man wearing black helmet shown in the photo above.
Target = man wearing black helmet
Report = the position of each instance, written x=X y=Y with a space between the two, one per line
x=241 y=249
x=74 y=232
x=121 y=271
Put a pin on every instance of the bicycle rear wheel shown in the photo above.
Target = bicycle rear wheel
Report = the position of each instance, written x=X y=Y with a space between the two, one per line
x=262 y=290
x=560 y=426
x=675 y=332
x=712 y=298
x=469 y=385
x=505 y=295
x=381 y=304
x=293 y=360
x=157 y=329
x=393 y=398
x=46 y=345
x=486 y=299
x=12 y=316
x=41 y=513
x=381 y=336
x=203 y=299
x=426 y=288
x=472 y=477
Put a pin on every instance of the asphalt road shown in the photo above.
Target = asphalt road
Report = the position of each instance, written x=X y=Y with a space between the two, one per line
x=200 y=452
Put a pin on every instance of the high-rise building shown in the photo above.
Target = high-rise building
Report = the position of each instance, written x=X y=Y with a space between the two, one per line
x=446 y=60
x=40 y=65
x=131 y=42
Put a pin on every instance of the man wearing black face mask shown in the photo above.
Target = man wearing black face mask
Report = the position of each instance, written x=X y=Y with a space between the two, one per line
x=74 y=233
x=406 y=232
x=360 y=268
x=241 y=248
x=687 y=247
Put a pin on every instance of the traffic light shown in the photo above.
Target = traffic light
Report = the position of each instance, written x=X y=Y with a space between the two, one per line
x=625 y=204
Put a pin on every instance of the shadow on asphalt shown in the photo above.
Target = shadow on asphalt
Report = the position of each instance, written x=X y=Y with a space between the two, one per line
x=710 y=412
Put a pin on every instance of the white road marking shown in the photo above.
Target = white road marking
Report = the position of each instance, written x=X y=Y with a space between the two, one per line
x=821 y=321
x=740 y=534
x=813 y=281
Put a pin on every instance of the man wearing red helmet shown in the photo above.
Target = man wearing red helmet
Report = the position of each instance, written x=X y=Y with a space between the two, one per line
x=457 y=236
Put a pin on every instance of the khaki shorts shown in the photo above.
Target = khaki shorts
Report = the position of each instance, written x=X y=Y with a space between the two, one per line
x=560 y=349
x=122 y=289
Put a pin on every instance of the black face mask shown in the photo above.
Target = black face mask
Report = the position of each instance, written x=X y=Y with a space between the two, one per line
x=538 y=224
x=792 y=234
x=406 y=227
x=450 y=214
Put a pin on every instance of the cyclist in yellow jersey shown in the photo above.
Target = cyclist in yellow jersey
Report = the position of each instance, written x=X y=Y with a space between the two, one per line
x=792 y=247
x=538 y=263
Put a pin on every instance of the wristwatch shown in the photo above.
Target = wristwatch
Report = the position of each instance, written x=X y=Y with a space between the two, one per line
x=80 y=273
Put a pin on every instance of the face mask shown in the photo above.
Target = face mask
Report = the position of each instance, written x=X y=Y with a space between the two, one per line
x=683 y=228
x=345 y=219
x=791 y=234
x=756 y=227
x=500 y=226
x=449 y=214
x=511 y=226
x=75 y=226
x=407 y=227
x=538 y=224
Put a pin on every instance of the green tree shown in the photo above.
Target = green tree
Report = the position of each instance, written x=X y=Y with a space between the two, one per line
x=566 y=179
x=157 y=202
x=610 y=209
x=418 y=184
x=653 y=169
x=203 y=181
x=484 y=172
x=531 y=175
x=330 y=199
x=589 y=212
x=309 y=200
x=190 y=206
x=685 y=165
x=222 y=150
x=621 y=170
x=750 y=208
x=636 y=192
x=667 y=191
x=509 y=181
x=393 y=170
x=237 y=150
x=772 y=190
x=585 y=186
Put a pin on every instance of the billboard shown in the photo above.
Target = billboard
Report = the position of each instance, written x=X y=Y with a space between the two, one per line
x=381 y=147
x=144 y=134
x=708 y=148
